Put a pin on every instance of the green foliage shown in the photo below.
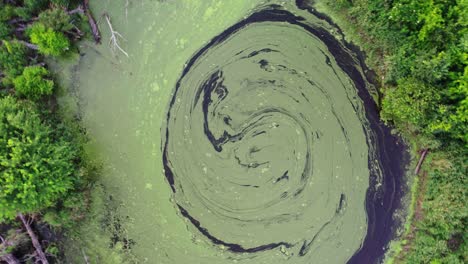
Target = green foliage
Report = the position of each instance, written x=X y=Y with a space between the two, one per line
x=442 y=235
x=65 y=214
x=52 y=250
x=31 y=8
x=13 y=59
x=37 y=164
x=50 y=42
x=60 y=3
x=453 y=118
x=7 y=12
x=411 y=101
x=420 y=48
x=15 y=239
x=5 y=30
x=425 y=41
x=33 y=83
x=56 y=19
x=42 y=167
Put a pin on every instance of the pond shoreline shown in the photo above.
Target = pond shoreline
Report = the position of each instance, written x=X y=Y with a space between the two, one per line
x=395 y=165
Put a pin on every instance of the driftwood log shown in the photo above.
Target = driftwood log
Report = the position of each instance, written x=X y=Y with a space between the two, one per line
x=92 y=22
x=421 y=160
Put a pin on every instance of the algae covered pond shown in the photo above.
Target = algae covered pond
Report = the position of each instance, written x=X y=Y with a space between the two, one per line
x=239 y=132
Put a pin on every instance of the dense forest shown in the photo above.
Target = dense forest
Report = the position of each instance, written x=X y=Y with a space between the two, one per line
x=44 y=176
x=419 y=49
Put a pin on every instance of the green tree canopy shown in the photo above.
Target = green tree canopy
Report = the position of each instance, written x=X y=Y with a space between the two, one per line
x=33 y=83
x=37 y=167
x=56 y=19
x=411 y=101
x=49 y=41
x=31 y=7
x=13 y=59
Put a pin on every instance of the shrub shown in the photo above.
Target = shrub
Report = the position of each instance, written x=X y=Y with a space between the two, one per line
x=30 y=8
x=36 y=164
x=6 y=12
x=61 y=3
x=410 y=102
x=49 y=42
x=56 y=19
x=5 y=30
x=13 y=59
x=33 y=84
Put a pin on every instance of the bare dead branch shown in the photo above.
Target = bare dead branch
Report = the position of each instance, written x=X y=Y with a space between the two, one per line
x=127 y=3
x=37 y=245
x=79 y=9
x=85 y=257
x=114 y=39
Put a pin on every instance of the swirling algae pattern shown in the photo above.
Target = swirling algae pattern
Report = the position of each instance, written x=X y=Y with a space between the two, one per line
x=268 y=148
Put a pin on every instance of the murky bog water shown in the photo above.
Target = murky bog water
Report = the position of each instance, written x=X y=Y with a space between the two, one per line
x=238 y=132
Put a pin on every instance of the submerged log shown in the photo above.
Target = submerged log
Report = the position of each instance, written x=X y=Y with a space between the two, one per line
x=92 y=22
x=37 y=245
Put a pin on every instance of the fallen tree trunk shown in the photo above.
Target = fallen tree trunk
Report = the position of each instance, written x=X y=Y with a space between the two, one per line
x=37 y=245
x=421 y=160
x=29 y=45
x=10 y=259
x=92 y=22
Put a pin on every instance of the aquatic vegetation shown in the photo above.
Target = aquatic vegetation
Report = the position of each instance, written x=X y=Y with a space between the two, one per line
x=240 y=132
x=264 y=137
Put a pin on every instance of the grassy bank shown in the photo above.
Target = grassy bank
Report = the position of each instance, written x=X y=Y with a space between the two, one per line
x=419 y=51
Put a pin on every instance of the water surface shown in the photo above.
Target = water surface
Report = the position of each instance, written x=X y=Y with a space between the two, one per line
x=239 y=132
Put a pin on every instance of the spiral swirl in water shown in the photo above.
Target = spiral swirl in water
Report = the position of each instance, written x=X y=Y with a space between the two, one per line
x=266 y=142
